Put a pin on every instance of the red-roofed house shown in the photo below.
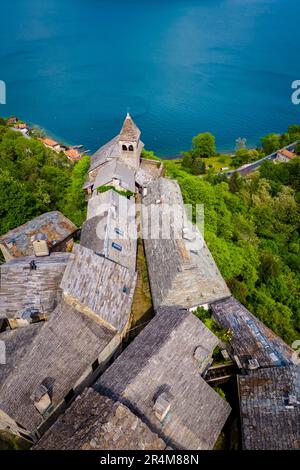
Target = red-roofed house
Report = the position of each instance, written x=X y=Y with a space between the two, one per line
x=73 y=154
x=52 y=144
x=285 y=155
x=21 y=125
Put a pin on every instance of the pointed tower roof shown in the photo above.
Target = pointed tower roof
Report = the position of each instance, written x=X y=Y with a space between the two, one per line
x=129 y=132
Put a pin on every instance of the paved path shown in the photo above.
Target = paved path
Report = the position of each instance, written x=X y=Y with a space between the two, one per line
x=244 y=170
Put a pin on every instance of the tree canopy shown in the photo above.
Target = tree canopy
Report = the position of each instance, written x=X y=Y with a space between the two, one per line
x=204 y=145
x=35 y=179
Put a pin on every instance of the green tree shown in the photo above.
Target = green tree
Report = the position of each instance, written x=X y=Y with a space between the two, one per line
x=271 y=143
x=75 y=206
x=192 y=163
x=204 y=145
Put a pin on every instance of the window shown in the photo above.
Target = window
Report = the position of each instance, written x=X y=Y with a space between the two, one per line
x=119 y=231
x=124 y=148
x=95 y=365
x=130 y=148
x=116 y=246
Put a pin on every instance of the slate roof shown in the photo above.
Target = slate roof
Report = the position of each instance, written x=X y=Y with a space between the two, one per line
x=53 y=225
x=60 y=354
x=17 y=344
x=108 y=151
x=269 y=421
x=111 y=220
x=161 y=359
x=129 y=132
x=105 y=288
x=102 y=202
x=251 y=338
x=89 y=238
x=23 y=289
x=116 y=170
x=94 y=422
x=148 y=171
x=182 y=271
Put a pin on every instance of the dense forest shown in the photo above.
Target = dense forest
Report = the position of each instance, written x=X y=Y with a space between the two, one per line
x=35 y=179
x=251 y=223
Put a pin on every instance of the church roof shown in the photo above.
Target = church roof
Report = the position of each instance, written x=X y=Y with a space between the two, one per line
x=105 y=153
x=129 y=132
x=110 y=228
x=115 y=169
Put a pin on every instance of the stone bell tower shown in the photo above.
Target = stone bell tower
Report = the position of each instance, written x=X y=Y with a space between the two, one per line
x=130 y=144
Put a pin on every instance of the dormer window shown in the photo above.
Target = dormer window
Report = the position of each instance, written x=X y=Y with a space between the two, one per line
x=119 y=231
x=41 y=399
x=116 y=246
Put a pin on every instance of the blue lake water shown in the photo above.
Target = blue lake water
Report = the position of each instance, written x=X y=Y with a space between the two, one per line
x=180 y=67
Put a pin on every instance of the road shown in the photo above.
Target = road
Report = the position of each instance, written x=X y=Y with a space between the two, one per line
x=244 y=170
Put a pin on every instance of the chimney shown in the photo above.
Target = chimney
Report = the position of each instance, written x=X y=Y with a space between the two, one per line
x=162 y=405
x=41 y=399
x=40 y=246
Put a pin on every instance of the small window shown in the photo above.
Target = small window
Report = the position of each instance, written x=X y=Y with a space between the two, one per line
x=95 y=365
x=124 y=148
x=119 y=231
x=125 y=290
x=130 y=148
x=116 y=246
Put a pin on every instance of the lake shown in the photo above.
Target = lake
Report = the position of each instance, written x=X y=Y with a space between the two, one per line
x=180 y=67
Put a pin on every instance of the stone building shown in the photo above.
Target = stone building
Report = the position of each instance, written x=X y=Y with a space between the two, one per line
x=95 y=422
x=182 y=271
x=253 y=345
x=269 y=387
x=152 y=397
x=159 y=378
x=49 y=363
x=125 y=149
x=110 y=229
x=51 y=229
x=31 y=284
x=270 y=408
